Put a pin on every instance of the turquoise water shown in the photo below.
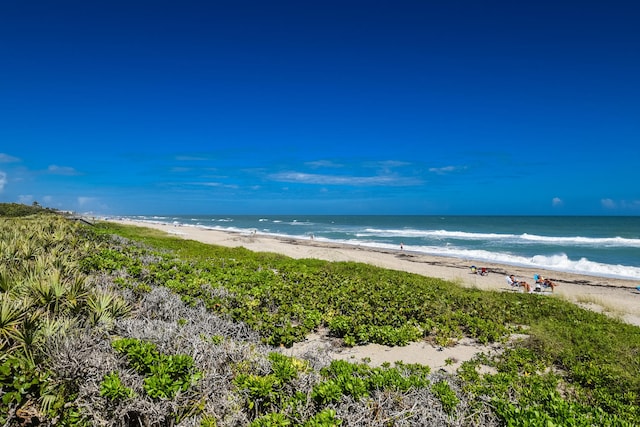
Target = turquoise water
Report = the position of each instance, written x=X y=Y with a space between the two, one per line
x=601 y=246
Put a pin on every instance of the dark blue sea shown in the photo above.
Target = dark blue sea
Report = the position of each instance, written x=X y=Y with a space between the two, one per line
x=598 y=246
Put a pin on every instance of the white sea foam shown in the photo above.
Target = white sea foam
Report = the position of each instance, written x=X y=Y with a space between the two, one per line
x=585 y=241
x=441 y=234
x=558 y=262
x=514 y=238
x=554 y=262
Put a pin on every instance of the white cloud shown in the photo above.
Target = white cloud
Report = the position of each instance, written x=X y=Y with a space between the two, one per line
x=620 y=204
x=5 y=158
x=218 y=184
x=446 y=169
x=556 y=201
x=323 y=164
x=62 y=170
x=307 y=178
x=3 y=180
x=608 y=203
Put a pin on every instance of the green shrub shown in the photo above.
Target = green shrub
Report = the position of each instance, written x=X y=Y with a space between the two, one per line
x=165 y=375
x=447 y=397
x=112 y=388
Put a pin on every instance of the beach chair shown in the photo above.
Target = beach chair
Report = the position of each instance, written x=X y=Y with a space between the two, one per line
x=538 y=282
x=541 y=283
x=518 y=285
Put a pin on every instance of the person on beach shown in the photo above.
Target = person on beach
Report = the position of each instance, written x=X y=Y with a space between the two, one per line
x=542 y=282
x=548 y=284
x=511 y=280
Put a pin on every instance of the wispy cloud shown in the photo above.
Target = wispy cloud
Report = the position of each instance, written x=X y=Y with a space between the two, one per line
x=5 y=158
x=391 y=163
x=217 y=184
x=622 y=204
x=62 y=170
x=307 y=178
x=3 y=180
x=556 y=201
x=323 y=164
x=635 y=204
x=447 y=169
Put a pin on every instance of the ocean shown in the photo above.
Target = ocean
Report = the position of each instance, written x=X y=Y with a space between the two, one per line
x=595 y=245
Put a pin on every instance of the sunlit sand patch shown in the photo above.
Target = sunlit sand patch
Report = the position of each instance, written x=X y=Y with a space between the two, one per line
x=436 y=357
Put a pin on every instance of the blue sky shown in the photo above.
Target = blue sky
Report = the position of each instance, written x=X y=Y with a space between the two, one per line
x=328 y=107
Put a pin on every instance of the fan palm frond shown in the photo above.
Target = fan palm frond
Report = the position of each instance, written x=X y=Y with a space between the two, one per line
x=12 y=313
x=105 y=307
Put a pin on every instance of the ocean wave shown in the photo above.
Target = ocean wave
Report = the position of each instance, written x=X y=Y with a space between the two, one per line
x=554 y=262
x=558 y=262
x=443 y=234
x=512 y=238
x=585 y=241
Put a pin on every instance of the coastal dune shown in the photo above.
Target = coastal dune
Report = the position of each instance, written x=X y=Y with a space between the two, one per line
x=614 y=297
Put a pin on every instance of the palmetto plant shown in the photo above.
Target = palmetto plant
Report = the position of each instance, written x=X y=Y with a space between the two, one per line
x=7 y=279
x=76 y=295
x=105 y=307
x=12 y=313
x=47 y=292
x=29 y=337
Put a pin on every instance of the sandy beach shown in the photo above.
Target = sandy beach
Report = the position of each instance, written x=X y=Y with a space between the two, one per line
x=615 y=297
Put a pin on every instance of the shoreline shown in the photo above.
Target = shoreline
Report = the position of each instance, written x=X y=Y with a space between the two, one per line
x=615 y=297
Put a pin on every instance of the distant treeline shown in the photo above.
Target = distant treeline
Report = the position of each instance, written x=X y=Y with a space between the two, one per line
x=17 y=209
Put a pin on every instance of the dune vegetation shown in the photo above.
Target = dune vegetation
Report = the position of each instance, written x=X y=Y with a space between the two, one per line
x=123 y=326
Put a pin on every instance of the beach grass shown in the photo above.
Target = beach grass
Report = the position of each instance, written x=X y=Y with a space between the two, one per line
x=202 y=323
x=591 y=300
